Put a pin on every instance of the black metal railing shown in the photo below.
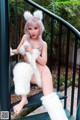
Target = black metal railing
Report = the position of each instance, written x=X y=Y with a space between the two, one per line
x=4 y=59
x=70 y=33
x=76 y=33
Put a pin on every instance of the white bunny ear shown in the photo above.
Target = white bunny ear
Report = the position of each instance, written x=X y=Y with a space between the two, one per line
x=38 y=14
x=27 y=15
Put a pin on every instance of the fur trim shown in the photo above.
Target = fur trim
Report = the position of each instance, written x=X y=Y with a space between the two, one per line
x=35 y=54
x=22 y=74
x=32 y=60
x=27 y=15
x=54 y=107
x=38 y=14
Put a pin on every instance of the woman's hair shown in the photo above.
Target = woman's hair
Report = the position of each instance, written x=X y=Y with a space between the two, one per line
x=30 y=19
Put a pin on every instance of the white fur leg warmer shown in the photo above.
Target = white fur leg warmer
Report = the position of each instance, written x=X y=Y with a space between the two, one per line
x=22 y=74
x=54 y=107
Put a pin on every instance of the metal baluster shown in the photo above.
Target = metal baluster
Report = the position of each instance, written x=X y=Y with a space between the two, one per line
x=78 y=96
x=51 y=44
x=78 y=111
x=4 y=68
x=73 y=78
x=66 y=70
x=59 y=56
x=16 y=26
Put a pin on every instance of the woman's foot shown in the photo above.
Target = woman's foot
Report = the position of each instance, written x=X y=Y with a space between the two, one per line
x=17 y=108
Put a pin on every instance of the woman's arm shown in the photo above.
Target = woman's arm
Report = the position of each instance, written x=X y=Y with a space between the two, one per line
x=16 y=51
x=43 y=58
x=22 y=41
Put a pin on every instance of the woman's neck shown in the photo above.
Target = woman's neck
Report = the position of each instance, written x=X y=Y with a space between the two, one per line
x=35 y=43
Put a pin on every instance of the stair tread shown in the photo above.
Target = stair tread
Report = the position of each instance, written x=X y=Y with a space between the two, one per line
x=34 y=100
x=44 y=116
x=41 y=116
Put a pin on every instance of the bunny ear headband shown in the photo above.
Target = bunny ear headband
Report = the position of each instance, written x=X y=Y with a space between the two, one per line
x=37 y=14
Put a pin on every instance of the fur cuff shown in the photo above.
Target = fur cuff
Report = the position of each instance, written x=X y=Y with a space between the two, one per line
x=22 y=73
x=22 y=89
x=54 y=107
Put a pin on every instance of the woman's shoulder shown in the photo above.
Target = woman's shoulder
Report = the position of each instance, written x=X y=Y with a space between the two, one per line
x=24 y=36
x=44 y=43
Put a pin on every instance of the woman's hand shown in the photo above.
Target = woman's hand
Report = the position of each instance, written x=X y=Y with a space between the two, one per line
x=14 y=51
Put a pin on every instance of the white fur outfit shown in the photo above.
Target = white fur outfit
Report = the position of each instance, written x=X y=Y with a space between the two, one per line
x=54 y=107
x=22 y=72
x=32 y=60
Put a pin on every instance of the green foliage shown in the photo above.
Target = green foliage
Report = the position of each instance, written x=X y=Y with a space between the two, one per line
x=68 y=10
x=16 y=21
x=16 y=7
x=43 y=3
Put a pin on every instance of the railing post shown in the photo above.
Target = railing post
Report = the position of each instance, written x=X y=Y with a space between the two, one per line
x=4 y=59
x=78 y=112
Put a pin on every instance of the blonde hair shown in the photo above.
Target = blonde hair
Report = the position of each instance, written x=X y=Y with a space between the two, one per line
x=30 y=19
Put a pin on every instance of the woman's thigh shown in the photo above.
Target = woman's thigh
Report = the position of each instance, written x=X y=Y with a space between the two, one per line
x=33 y=80
x=41 y=69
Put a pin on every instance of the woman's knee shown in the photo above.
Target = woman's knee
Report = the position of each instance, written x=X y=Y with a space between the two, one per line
x=46 y=75
x=46 y=70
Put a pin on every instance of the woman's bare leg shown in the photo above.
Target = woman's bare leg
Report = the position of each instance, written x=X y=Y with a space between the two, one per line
x=50 y=100
x=33 y=80
x=46 y=80
x=17 y=108
x=47 y=84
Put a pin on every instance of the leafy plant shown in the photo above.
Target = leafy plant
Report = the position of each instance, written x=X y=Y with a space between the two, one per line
x=68 y=10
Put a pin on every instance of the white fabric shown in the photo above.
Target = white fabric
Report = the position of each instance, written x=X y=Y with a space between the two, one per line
x=22 y=74
x=54 y=107
x=32 y=60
